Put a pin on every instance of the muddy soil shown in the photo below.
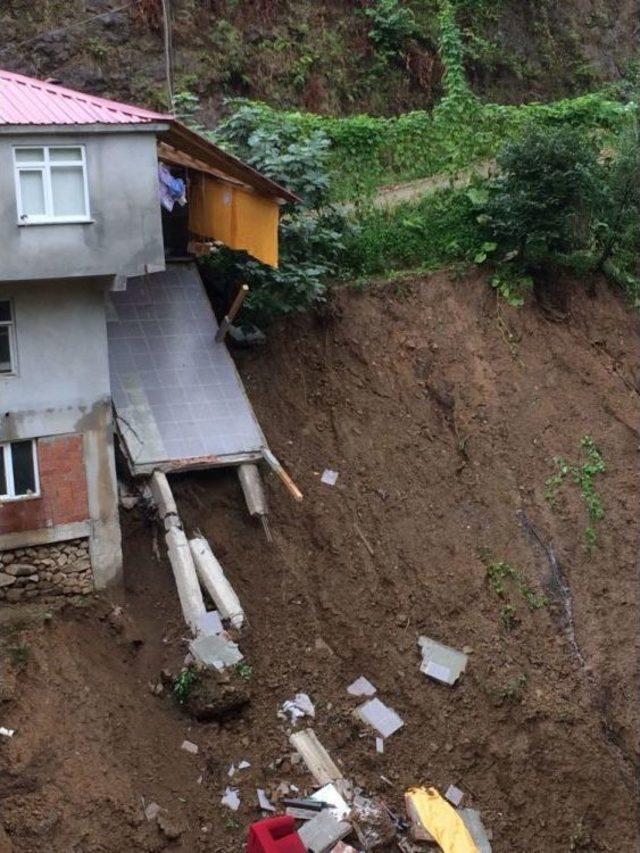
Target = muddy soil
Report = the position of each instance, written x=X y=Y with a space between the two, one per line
x=443 y=417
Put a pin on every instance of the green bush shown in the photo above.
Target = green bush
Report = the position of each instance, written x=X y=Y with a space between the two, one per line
x=392 y=23
x=310 y=232
x=541 y=205
x=558 y=202
x=437 y=230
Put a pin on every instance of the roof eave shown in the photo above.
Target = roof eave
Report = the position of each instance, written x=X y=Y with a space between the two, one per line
x=56 y=129
x=184 y=139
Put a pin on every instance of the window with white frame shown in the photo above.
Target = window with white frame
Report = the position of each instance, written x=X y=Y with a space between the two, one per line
x=51 y=183
x=7 y=339
x=19 y=470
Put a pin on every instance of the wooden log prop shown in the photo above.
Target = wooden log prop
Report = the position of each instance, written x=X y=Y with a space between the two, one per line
x=236 y=305
x=277 y=468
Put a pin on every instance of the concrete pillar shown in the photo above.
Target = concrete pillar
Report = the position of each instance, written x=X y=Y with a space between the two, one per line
x=184 y=573
x=214 y=581
x=105 y=540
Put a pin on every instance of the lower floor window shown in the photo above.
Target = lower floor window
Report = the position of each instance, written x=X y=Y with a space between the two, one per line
x=18 y=470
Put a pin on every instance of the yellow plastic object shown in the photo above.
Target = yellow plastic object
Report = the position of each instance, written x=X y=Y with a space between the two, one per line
x=235 y=216
x=441 y=820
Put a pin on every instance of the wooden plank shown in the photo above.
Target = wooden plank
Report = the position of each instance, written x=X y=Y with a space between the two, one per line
x=315 y=756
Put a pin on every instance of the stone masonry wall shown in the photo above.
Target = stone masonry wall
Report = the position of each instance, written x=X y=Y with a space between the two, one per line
x=60 y=569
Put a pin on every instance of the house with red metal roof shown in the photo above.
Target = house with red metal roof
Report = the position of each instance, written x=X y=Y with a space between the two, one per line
x=95 y=197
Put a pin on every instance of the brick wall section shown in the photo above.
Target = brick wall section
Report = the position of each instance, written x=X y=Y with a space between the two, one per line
x=63 y=488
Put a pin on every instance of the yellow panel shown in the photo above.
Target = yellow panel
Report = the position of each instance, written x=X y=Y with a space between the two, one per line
x=234 y=216
x=441 y=820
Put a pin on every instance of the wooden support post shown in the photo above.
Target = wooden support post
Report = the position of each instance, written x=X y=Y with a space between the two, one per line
x=231 y=313
x=277 y=468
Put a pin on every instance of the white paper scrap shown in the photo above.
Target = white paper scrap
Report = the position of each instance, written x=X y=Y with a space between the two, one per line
x=263 y=801
x=7 y=732
x=440 y=673
x=329 y=477
x=380 y=744
x=231 y=799
x=243 y=765
x=361 y=687
x=298 y=707
x=454 y=795
x=231 y=771
x=382 y=718
x=339 y=807
x=188 y=746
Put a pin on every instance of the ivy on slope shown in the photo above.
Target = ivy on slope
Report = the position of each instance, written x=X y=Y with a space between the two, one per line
x=367 y=152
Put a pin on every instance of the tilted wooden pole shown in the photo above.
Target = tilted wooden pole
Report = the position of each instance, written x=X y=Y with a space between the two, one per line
x=275 y=466
x=231 y=313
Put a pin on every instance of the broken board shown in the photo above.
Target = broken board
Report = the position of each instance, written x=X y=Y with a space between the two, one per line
x=178 y=399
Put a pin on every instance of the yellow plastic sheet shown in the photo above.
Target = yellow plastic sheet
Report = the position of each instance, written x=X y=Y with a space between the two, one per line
x=441 y=820
x=235 y=216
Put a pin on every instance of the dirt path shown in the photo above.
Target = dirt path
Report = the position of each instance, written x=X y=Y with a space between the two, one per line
x=395 y=194
x=443 y=421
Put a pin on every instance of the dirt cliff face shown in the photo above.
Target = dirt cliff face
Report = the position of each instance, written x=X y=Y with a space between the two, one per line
x=443 y=416
x=316 y=55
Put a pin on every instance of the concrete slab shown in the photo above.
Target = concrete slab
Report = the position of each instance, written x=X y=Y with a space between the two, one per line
x=218 y=651
x=178 y=398
x=441 y=662
x=380 y=717
x=321 y=833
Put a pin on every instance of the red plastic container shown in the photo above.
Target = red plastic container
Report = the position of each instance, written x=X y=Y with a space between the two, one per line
x=275 y=835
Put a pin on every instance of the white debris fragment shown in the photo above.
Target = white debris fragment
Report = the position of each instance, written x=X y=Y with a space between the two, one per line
x=231 y=771
x=298 y=707
x=441 y=662
x=329 y=477
x=7 y=732
x=231 y=799
x=263 y=801
x=151 y=811
x=188 y=746
x=454 y=795
x=361 y=687
x=382 y=718
x=380 y=744
x=210 y=624
x=217 y=651
x=243 y=765
x=339 y=807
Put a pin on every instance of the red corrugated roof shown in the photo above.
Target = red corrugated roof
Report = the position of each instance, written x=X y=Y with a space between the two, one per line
x=26 y=101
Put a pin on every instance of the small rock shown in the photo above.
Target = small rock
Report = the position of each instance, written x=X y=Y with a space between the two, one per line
x=6 y=580
x=468 y=650
x=168 y=827
x=189 y=746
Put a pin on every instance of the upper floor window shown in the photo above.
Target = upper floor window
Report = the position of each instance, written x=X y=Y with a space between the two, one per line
x=51 y=183
x=19 y=470
x=7 y=339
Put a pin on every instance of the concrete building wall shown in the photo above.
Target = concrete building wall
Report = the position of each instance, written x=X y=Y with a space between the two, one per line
x=125 y=234
x=62 y=389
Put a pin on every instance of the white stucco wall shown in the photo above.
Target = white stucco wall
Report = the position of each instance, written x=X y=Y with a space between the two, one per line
x=62 y=386
x=125 y=236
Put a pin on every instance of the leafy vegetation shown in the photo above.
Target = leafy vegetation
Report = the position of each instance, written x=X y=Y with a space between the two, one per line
x=184 y=683
x=310 y=233
x=558 y=204
x=391 y=24
x=504 y=578
x=583 y=474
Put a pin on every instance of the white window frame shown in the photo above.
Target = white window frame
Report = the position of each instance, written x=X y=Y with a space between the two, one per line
x=10 y=495
x=45 y=166
x=13 y=350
